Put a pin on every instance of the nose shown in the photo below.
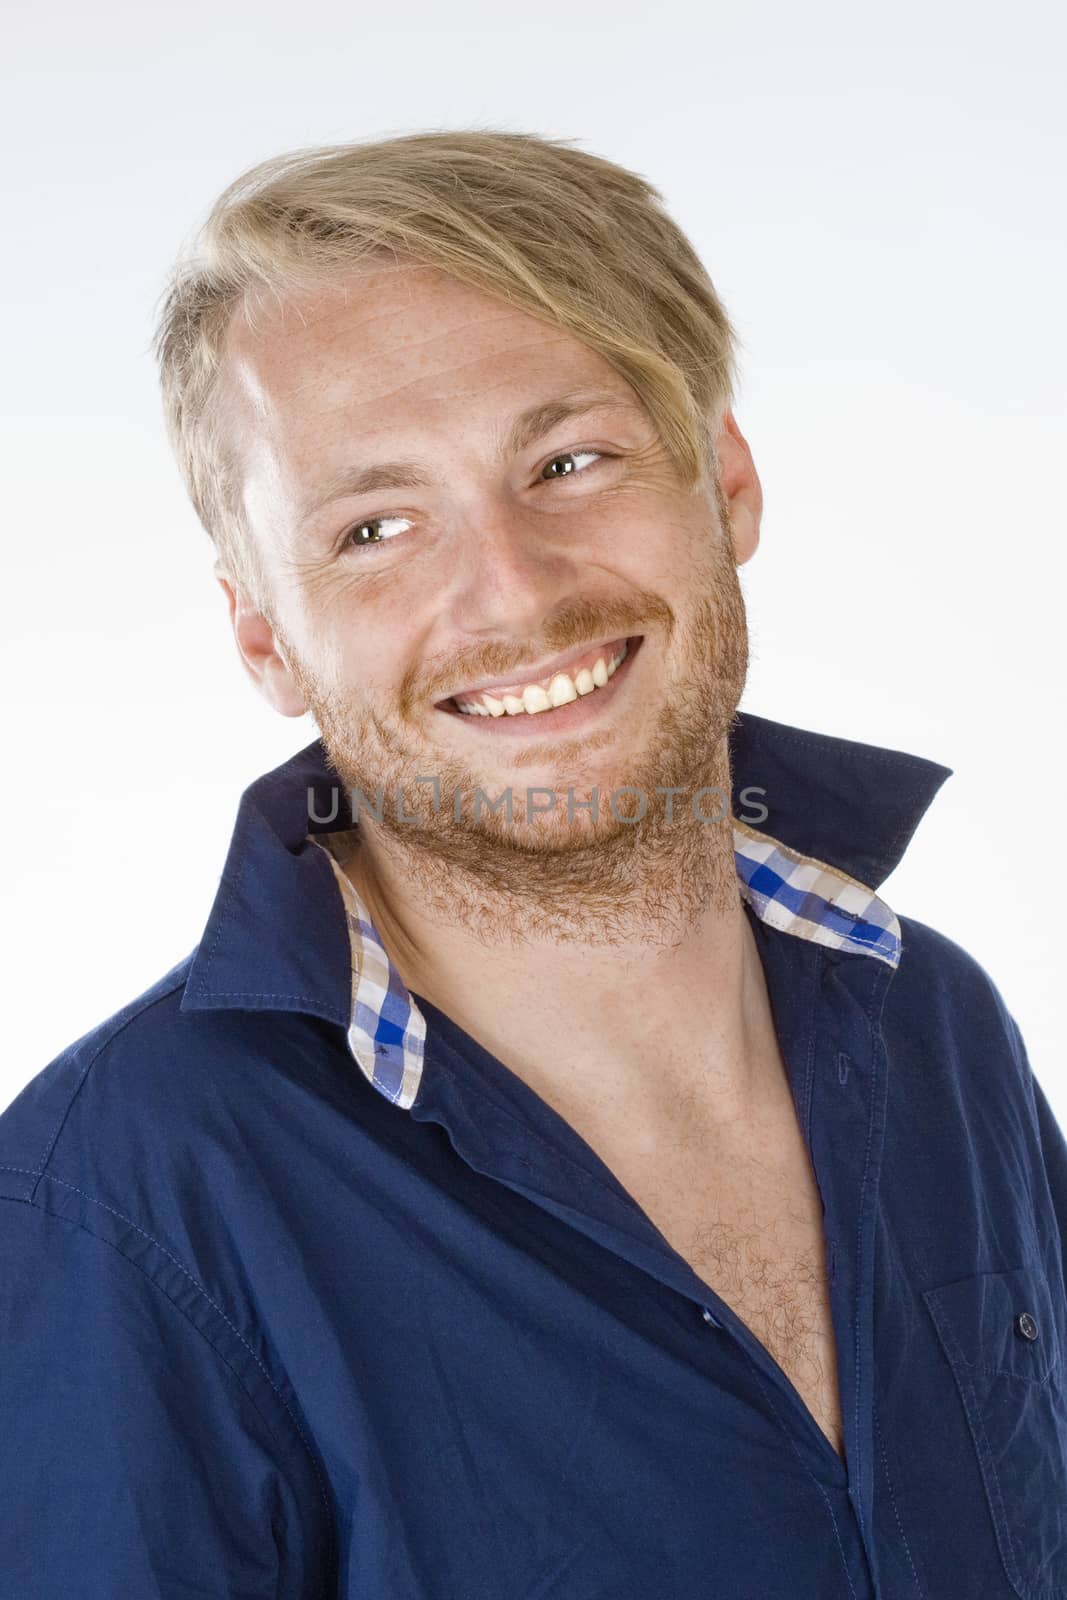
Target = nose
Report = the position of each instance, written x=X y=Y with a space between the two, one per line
x=509 y=572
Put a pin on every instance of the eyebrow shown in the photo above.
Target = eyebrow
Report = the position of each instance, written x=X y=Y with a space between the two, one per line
x=529 y=426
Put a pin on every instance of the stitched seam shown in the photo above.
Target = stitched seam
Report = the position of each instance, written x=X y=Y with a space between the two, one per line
x=828 y=867
x=873 y=1051
x=257 y=994
x=856 y=1294
x=807 y=1469
x=876 y=1050
x=224 y=906
x=817 y=979
x=893 y=1503
x=110 y=1038
x=972 y=1411
x=200 y=1290
x=855 y=752
x=1018 y=1377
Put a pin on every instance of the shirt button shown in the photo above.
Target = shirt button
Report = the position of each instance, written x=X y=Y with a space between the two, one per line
x=1025 y=1326
x=715 y=1323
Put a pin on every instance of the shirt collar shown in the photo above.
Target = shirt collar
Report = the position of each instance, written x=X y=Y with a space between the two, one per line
x=288 y=931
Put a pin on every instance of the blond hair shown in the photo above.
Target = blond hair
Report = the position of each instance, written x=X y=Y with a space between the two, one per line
x=567 y=236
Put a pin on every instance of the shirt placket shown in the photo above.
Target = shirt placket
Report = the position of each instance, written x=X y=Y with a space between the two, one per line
x=827 y=1007
x=841 y=1095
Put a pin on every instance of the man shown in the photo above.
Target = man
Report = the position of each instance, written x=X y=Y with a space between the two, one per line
x=556 y=1172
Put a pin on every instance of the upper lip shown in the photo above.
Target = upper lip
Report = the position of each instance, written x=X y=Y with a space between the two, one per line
x=536 y=669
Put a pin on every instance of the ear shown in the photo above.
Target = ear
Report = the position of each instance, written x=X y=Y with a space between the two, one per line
x=261 y=654
x=741 y=487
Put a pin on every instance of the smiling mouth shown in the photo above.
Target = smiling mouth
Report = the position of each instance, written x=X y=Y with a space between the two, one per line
x=587 y=672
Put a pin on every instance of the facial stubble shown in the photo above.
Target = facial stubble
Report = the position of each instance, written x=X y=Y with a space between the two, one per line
x=564 y=876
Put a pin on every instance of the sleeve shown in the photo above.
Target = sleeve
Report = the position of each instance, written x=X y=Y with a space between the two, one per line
x=1053 y=1145
x=1054 y=1152
x=133 y=1460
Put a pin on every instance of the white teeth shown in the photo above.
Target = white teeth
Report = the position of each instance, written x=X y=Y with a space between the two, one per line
x=561 y=691
x=535 y=698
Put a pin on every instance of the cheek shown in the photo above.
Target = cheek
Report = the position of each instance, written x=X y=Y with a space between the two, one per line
x=353 y=630
x=323 y=659
x=381 y=661
x=664 y=553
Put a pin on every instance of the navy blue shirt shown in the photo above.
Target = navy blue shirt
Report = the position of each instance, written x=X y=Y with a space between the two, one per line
x=304 y=1294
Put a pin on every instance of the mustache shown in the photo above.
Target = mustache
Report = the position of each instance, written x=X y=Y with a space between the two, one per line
x=572 y=625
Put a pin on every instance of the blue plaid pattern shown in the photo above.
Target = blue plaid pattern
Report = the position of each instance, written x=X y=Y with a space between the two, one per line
x=791 y=892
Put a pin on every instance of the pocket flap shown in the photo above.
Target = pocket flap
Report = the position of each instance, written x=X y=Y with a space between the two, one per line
x=983 y=1323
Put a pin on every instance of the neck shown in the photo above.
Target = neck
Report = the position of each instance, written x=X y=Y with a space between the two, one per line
x=640 y=982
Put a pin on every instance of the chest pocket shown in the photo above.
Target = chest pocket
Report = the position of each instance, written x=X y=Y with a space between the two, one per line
x=1001 y=1333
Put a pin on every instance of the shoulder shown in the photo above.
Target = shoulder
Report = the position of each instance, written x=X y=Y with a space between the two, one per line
x=35 y=1119
x=951 y=1032
x=128 y=1106
x=945 y=982
x=121 y=1166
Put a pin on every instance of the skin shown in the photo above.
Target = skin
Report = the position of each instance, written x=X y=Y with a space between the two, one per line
x=597 y=947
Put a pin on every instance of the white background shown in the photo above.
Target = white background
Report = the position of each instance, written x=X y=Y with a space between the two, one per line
x=878 y=195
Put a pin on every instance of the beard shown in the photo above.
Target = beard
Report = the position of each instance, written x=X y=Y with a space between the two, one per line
x=646 y=870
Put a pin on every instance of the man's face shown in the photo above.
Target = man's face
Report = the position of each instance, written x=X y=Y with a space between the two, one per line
x=485 y=544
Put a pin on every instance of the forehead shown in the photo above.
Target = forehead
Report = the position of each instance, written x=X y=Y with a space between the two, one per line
x=387 y=345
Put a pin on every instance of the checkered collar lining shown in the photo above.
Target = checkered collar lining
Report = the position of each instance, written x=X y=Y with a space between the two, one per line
x=791 y=892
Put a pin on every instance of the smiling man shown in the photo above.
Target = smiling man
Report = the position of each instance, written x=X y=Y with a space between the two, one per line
x=556 y=1172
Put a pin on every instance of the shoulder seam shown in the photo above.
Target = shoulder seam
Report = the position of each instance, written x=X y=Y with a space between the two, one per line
x=202 y=1292
x=109 y=1038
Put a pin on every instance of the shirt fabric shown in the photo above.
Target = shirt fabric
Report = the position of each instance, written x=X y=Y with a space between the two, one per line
x=303 y=1294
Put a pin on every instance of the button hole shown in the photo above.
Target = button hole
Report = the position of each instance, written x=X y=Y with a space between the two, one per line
x=843 y=1065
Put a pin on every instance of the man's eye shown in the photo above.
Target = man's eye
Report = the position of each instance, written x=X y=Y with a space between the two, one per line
x=371 y=531
x=566 y=456
x=375 y=530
